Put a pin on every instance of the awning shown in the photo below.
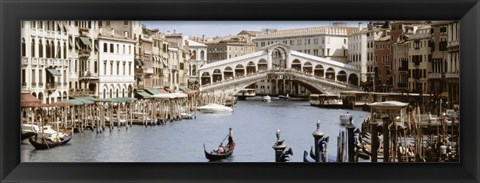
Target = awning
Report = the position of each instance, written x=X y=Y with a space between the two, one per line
x=139 y=62
x=116 y=100
x=144 y=94
x=164 y=61
x=153 y=91
x=184 y=89
x=28 y=98
x=54 y=72
x=86 y=99
x=86 y=41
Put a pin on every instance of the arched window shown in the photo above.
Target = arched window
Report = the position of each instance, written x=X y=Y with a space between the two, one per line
x=33 y=48
x=48 y=50
x=23 y=47
x=40 y=49
x=64 y=50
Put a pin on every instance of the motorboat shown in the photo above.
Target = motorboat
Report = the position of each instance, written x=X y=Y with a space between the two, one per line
x=267 y=98
x=345 y=119
x=214 y=108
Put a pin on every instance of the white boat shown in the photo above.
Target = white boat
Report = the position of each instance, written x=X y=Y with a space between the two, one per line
x=267 y=98
x=46 y=131
x=345 y=119
x=214 y=108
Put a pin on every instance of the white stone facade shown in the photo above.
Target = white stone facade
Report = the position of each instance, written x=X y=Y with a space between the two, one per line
x=43 y=47
x=116 y=67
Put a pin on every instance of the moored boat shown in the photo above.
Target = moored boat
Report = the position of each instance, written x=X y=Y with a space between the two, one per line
x=267 y=98
x=345 y=119
x=214 y=108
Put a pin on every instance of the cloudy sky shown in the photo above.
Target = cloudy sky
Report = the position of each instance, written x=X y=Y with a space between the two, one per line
x=224 y=28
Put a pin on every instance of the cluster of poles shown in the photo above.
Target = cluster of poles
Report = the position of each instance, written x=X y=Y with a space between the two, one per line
x=83 y=113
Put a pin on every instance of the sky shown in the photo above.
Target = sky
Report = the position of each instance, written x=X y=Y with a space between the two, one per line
x=225 y=28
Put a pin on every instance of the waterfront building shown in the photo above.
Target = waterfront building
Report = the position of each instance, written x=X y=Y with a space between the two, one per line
x=400 y=72
x=221 y=48
x=178 y=54
x=357 y=51
x=117 y=68
x=399 y=32
x=144 y=68
x=419 y=57
x=383 y=60
x=198 y=57
x=160 y=55
x=453 y=62
x=45 y=60
x=436 y=77
x=329 y=42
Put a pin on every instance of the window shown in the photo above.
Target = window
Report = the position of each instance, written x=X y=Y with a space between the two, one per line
x=111 y=48
x=111 y=67
x=100 y=23
x=23 y=46
x=124 y=68
x=118 y=48
x=123 y=49
x=33 y=48
x=95 y=67
x=33 y=77
x=315 y=41
x=108 y=23
x=40 y=49
x=125 y=22
x=23 y=77
x=344 y=41
x=105 y=67
x=118 y=68
x=105 y=47
x=443 y=29
x=129 y=49
x=129 y=68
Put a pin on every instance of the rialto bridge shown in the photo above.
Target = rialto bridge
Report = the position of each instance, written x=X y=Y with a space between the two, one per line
x=280 y=66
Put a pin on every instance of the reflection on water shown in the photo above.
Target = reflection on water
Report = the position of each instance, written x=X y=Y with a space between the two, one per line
x=253 y=122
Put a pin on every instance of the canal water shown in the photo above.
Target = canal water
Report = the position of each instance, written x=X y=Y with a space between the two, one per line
x=254 y=124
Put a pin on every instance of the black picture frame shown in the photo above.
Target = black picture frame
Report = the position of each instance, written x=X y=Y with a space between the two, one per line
x=12 y=12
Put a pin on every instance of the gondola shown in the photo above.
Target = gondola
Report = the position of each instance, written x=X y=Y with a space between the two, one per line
x=27 y=135
x=47 y=144
x=214 y=156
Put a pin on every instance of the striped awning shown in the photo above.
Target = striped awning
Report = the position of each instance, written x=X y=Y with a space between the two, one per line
x=86 y=41
x=54 y=72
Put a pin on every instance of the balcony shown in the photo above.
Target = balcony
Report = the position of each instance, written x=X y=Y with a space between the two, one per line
x=57 y=62
x=42 y=61
x=451 y=75
x=434 y=75
x=51 y=86
x=84 y=52
x=49 y=62
x=148 y=70
x=24 y=61
x=34 y=61
x=88 y=75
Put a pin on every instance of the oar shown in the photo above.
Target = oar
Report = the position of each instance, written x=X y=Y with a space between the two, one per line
x=223 y=140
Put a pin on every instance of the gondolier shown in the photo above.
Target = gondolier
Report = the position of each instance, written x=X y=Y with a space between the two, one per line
x=231 y=144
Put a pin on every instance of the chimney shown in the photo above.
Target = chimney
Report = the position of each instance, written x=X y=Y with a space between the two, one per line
x=203 y=37
x=100 y=30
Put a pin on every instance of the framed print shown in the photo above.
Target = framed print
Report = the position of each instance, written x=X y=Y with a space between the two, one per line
x=239 y=91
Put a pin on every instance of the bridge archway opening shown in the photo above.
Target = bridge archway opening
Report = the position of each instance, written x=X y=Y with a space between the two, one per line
x=216 y=75
x=307 y=67
x=262 y=65
x=307 y=86
x=239 y=70
x=251 y=68
x=205 y=78
x=319 y=71
x=330 y=74
x=297 y=65
x=228 y=73
x=342 y=76
x=279 y=57
x=353 y=79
